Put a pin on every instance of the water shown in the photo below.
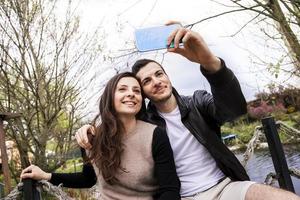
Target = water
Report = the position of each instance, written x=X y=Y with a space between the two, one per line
x=261 y=164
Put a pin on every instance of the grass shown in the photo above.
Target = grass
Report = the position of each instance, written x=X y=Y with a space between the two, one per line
x=244 y=127
x=71 y=166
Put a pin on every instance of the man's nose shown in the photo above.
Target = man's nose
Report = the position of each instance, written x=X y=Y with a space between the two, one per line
x=156 y=81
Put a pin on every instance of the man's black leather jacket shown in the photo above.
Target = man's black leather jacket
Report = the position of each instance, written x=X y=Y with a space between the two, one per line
x=203 y=114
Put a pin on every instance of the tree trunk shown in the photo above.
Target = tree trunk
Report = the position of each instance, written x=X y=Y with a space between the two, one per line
x=285 y=30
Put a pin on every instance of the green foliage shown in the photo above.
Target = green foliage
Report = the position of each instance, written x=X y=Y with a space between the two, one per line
x=264 y=110
x=291 y=119
x=276 y=102
x=71 y=165
x=274 y=69
x=243 y=130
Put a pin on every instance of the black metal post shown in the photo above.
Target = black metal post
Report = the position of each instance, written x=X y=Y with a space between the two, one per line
x=29 y=190
x=277 y=154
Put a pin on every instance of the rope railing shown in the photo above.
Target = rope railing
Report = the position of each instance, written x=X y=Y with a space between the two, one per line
x=281 y=176
x=42 y=185
x=272 y=177
x=289 y=128
x=49 y=188
x=56 y=191
x=258 y=137
x=252 y=144
x=15 y=193
x=293 y=133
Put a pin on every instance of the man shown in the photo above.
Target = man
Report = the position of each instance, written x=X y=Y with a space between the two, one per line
x=205 y=166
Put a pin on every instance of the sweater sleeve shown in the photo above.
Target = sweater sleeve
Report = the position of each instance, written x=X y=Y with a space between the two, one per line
x=85 y=179
x=164 y=167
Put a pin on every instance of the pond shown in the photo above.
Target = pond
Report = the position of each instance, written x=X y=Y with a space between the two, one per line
x=260 y=164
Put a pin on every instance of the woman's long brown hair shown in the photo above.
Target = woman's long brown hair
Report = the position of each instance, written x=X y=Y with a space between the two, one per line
x=107 y=144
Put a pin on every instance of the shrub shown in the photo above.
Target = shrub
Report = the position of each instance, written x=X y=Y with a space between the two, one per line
x=244 y=131
x=264 y=110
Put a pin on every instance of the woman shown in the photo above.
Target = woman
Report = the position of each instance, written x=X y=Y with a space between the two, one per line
x=132 y=159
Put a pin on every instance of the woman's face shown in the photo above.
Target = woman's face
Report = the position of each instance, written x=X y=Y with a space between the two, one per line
x=128 y=97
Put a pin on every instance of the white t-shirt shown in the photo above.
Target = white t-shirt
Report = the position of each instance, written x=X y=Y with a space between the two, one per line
x=196 y=168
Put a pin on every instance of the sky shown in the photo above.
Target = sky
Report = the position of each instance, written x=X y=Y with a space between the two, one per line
x=117 y=20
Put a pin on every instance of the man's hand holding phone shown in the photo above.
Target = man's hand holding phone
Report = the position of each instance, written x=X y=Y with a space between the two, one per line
x=194 y=48
x=180 y=40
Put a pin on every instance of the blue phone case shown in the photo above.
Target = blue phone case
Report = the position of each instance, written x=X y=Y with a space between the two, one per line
x=153 y=38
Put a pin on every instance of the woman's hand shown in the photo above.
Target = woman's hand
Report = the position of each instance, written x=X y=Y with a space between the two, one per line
x=82 y=136
x=34 y=172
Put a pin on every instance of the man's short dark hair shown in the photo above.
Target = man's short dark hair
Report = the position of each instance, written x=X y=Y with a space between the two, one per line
x=139 y=64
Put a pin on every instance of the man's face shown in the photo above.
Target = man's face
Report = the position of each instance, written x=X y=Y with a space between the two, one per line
x=155 y=83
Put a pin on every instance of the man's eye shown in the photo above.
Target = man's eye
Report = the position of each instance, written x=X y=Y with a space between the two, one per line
x=145 y=82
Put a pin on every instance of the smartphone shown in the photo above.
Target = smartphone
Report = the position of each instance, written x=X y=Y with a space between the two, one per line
x=153 y=38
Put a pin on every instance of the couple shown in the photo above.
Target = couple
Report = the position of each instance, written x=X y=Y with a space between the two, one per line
x=205 y=167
